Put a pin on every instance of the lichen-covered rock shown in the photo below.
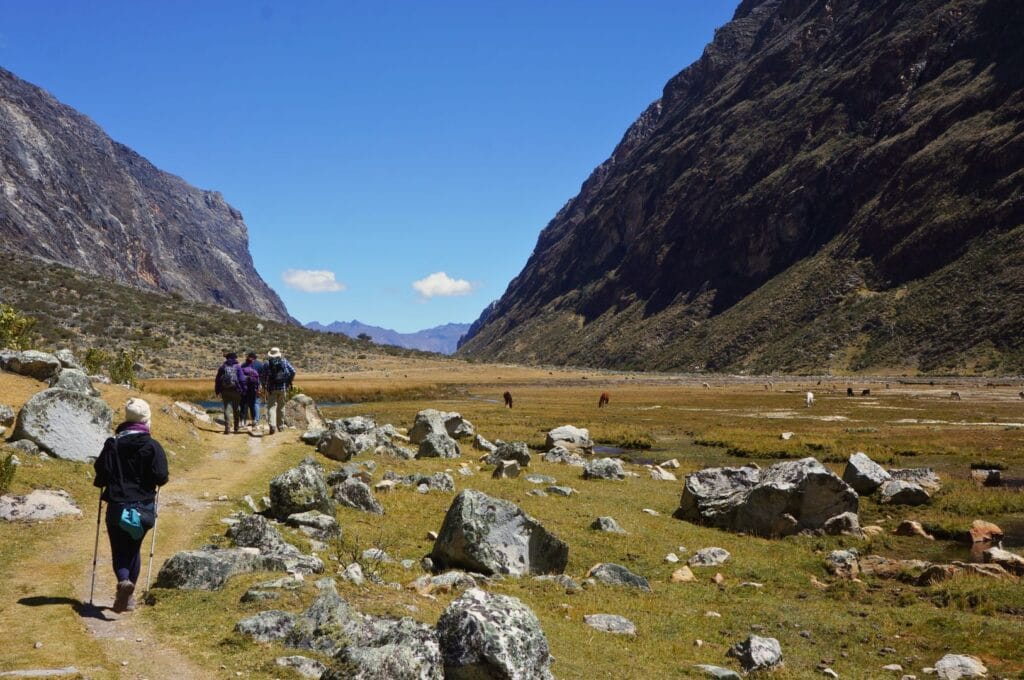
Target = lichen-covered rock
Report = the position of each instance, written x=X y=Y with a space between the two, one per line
x=610 y=623
x=607 y=524
x=517 y=451
x=431 y=421
x=712 y=496
x=898 y=492
x=843 y=563
x=709 y=557
x=67 y=359
x=254 y=531
x=757 y=653
x=67 y=425
x=493 y=536
x=481 y=444
x=33 y=363
x=956 y=666
x=604 y=468
x=354 y=493
x=863 y=474
x=438 y=445
x=492 y=636
x=923 y=477
x=206 y=569
x=358 y=424
x=506 y=469
x=268 y=626
x=843 y=524
x=571 y=438
x=74 y=380
x=307 y=668
x=299 y=489
x=618 y=575
x=337 y=445
x=560 y=454
x=7 y=415
x=38 y=506
x=302 y=413
x=316 y=524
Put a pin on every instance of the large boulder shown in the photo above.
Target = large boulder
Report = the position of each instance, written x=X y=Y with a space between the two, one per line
x=337 y=444
x=604 y=468
x=354 y=493
x=899 y=492
x=956 y=666
x=357 y=424
x=780 y=500
x=301 y=412
x=560 y=454
x=618 y=575
x=493 y=536
x=864 y=475
x=32 y=363
x=67 y=359
x=269 y=626
x=757 y=653
x=517 y=451
x=438 y=445
x=39 y=505
x=206 y=569
x=299 y=489
x=431 y=421
x=1011 y=562
x=254 y=531
x=923 y=477
x=74 y=380
x=571 y=438
x=67 y=425
x=486 y=636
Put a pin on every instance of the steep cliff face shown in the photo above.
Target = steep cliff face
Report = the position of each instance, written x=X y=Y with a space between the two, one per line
x=802 y=197
x=72 y=195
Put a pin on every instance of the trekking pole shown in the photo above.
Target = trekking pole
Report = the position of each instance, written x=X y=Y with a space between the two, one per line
x=96 y=548
x=152 y=545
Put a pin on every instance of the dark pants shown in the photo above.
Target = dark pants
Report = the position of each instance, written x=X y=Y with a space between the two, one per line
x=232 y=408
x=124 y=550
x=250 y=407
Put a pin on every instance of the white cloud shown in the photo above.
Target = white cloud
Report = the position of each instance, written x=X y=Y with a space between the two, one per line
x=312 y=280
x=440 y=283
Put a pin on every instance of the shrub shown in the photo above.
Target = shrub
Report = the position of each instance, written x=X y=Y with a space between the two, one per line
x=7 y=468
x=15 y=328
x=122 y=369
x=95 y=359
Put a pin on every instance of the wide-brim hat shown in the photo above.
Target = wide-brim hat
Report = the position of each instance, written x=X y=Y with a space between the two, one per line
x=137 y=411
x=274 y=353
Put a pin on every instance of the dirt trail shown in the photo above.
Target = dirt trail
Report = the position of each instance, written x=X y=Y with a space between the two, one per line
x=133 y=651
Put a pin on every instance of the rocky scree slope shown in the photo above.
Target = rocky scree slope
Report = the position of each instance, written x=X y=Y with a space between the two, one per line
x=73 y=195
x=832 y=185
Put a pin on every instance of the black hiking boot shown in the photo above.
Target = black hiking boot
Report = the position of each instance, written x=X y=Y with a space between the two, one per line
x=125 y=589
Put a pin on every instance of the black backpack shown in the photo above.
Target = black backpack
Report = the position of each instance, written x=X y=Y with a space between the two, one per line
x=229 y=379
x=276 y=371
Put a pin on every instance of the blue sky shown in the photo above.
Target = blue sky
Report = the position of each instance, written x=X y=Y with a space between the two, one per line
x=383 y=142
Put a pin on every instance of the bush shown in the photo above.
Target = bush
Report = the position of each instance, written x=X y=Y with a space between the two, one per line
x=122 y=369
x=95 y=359
x=7 y=468
x=15 y=328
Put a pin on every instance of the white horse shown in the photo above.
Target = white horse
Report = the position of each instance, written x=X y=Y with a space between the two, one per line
x=810 y=399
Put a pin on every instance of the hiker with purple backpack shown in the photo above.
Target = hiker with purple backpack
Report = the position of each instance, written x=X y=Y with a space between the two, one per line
x=229 y=386
x=250 y=397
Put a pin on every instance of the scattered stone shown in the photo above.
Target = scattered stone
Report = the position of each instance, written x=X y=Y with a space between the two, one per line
x=893 y=668
x=493 y=536
x=898 y=492
x=268 y=626
x=844 y=524
x=448 y=582
x=610 y=623
x=709 y=557
x=987 y=477
x=67 y=359
x=353 y=573
x=376 y=555
x=302 y=413
x=617 y=575
x=604 y=468
x=683 y=575
x=68 y=425
x=660 y=475
x=652 y=513
x=984 y=532
x=7 y=415
x=307 y=668
x=316 y=524
x=570 y=438
x=670 y=464
x=506 y=469
x=192 y=412
x=517 y=451
x=312 y=437
x=864 y=475
x=955 y=666
x=357 y=424
x=205 y=569
x=567 y=582
x=337 y=445
x=438 y=445
x=38 y=506
x=1011 y=562
x=607 y=524
x=562 y=455
x=73 y=380
x=354 y=493
x=909 y=527
x=481 y=444
x=492 y=636
x=671 y=558
x=254 y=531
x=431 y=421
x=32 y=363
x=540 y=479
x=300 y=489
x=561 y=490
x=923 y=477
x=540 y=493
x=717 y=672
x=757 y=653
x=843 y=563
x=786 y=436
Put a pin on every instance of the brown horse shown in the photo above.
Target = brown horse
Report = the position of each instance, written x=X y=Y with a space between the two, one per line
x=603 y=401
x=508 y=399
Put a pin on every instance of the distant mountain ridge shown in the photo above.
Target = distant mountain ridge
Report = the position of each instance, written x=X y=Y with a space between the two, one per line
x=72 y=195
x=830 y=186
x=441 y=339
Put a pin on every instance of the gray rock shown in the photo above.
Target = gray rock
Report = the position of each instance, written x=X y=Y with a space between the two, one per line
x=492 y=636
x=257 y=595
x=7 y=415
x=302 y=413
x=358 y=424
x=617 y=575
x=757 y=653
x=307 y=668
x=447 y=582
x=329 y=623
x=717 y=672
x=430 y=421
x=923 y=477
x=898 y=492
x=565 y=491
x=376 y=555
x=269 y=626
x=845 y=524
x=318 y=524
x=438 y=445
x=481 y=444
x=569 y=437
x=540 y=479
x=73 y=380
x=493 y=536
x=254 y=531
x=843 y=563
x=864 y=475
x=560 y=454
x=604 y=468
x=34 y=364
x=353 y=573
x=1009 y=561
x=506 y=469
x=67 y=359
x=205 y=569
x=712 y=496
x=955 y=666
x=311 y=437
x=299 y=489
x=390 y=649
x=349 y=470
x=39 y=505
x=354 y=493
x=24 y=445
x=563 y=581
x=611 y=623
x=537 y=492
x=517 y=451
x=337 y=445
x=395 y=451
x=67 y=425
x=607 y=524
x=709 y=557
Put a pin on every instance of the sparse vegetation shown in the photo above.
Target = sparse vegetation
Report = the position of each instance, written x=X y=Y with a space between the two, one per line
x=7 y=470
x=15 y=328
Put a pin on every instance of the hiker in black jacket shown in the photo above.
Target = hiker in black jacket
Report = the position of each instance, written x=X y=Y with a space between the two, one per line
x=129 y=469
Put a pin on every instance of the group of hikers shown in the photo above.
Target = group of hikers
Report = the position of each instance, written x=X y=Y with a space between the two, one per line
x=240 y=386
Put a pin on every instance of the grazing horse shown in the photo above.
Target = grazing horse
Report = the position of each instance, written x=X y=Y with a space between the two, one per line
x=810 y=399
x=849 y=391
x=865 y=393
x=508 y=399
x=603 y=400
x=706 y=386
x=955 y=396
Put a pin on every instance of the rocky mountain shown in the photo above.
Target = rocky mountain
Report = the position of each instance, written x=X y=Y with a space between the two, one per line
x=72 y=195
x=834 y=184
x=441 y=339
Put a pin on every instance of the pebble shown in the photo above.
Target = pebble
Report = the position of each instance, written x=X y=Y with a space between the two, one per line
x=714 y=615
x=652 y=513
x=672 y=558
x=893 y=668
x=718 y=578
x=829 y=672
x=38 y=645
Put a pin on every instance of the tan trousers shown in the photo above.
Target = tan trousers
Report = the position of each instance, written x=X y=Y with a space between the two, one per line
x=276 y=400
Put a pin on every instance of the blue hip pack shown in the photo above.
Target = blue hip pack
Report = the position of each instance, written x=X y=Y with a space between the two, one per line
x=136 y=522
